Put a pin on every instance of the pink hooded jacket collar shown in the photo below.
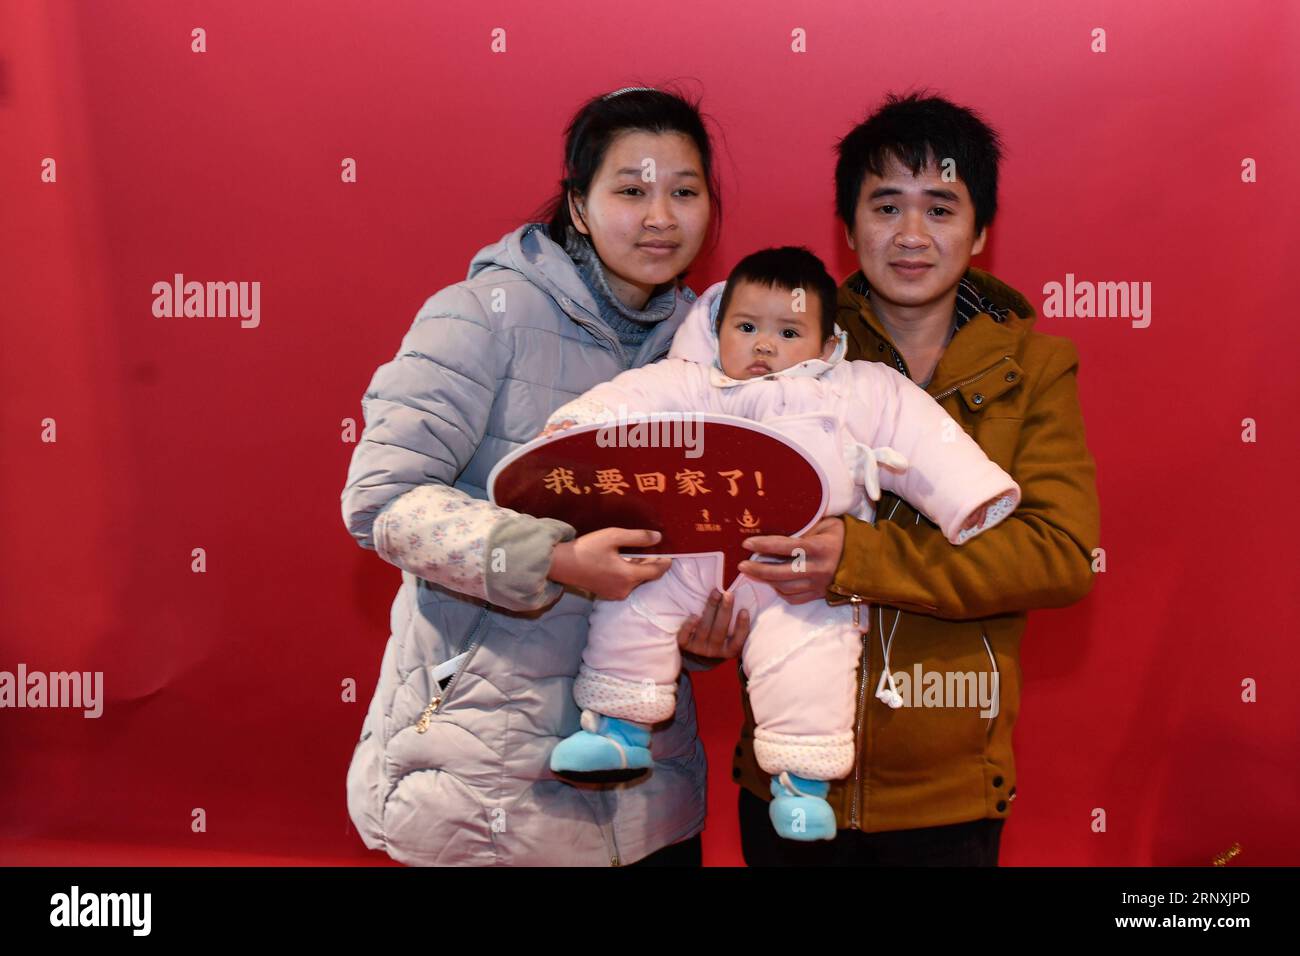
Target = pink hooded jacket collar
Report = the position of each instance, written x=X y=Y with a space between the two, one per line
x=697 y=341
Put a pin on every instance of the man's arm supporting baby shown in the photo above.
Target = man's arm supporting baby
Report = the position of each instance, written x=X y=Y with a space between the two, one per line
x=948 y=476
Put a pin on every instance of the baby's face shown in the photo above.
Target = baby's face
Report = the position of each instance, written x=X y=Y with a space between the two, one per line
x=762 y=333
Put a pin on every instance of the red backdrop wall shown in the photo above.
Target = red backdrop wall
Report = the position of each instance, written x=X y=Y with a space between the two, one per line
x=223 y=689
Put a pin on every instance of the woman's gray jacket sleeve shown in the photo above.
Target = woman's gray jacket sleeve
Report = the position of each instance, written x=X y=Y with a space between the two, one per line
x=426 y=412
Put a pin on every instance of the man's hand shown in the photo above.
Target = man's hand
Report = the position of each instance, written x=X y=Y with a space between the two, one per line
x=705 y=637
x=815 y=556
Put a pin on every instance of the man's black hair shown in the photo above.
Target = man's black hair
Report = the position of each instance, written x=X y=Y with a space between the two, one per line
x=920 y=129
x=787 y=267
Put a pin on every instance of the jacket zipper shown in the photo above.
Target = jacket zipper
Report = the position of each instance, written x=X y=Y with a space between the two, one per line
x=597 y=328
x=439 y=696
x=974 y=378
x=613 y=842
x=857 y=600
x=862 y=696
x=864 y=669
x=599 y=802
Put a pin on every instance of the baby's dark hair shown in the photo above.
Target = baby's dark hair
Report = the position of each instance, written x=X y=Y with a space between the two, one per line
x=791 y=268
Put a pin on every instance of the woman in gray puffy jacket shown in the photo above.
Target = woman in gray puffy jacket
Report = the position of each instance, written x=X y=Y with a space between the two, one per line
x=488 y=628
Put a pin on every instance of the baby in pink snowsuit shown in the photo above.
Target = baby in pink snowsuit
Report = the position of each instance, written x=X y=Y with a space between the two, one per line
x=775 y=356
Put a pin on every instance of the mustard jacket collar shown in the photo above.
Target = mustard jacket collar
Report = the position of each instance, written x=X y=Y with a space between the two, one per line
x=981 y=342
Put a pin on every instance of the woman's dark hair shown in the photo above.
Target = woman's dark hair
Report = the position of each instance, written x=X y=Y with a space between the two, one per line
x=602 y=119
x=920 y=129
x=786 y=267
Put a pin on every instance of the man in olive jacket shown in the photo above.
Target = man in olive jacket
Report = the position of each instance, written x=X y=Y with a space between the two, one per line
x=939 y=677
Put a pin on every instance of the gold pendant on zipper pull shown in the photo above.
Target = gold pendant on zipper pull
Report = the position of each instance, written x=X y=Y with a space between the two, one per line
x=426 y=716
x=857 y=602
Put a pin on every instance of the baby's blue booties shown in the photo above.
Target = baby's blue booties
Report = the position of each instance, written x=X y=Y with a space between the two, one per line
x=604 y=743
x=799 y=810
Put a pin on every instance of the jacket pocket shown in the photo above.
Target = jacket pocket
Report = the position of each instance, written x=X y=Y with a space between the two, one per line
x=433 y=818
x=440 y=694
x=978 y=701
x=364 y=791
x=991 y=691
x=951 y=699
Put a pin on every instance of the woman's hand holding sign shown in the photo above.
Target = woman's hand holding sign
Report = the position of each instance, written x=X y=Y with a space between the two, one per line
x=557 y=427
x=593 y=563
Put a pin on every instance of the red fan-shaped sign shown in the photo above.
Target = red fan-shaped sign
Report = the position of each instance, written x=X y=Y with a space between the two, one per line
x=706 y=483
